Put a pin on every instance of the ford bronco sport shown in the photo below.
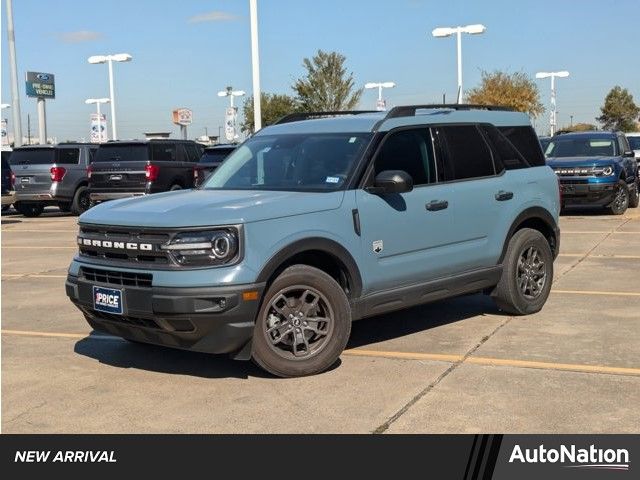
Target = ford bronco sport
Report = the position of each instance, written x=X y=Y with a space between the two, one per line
x=311 y=224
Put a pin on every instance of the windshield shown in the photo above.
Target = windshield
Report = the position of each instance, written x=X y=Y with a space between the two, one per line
x=122 y=153
x=33 y=156
x=581 y=147
x=300 y=162
x=634 y=142
x=214 y=156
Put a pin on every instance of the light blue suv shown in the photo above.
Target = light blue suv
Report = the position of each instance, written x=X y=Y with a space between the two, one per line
x=320 y=220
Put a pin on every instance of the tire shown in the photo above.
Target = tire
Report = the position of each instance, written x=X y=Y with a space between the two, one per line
x=81 y=201
x=634 y=195
x=312 y=294
x=508 y=294
x=175 y=187
x=5 y=208
x=29 y=209
x=64 y=207
x=621 y=201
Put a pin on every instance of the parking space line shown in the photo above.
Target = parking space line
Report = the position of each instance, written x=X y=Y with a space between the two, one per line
x=31 y=275
x=15 y=230
x=496 y=362
x=623 y=257
x=595 y=292
x=31 y=333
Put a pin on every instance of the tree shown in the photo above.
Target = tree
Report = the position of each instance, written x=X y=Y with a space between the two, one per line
x=579 y=127
x=515 y=90
x=273 y=106
x=619 y=111
x=326 y=86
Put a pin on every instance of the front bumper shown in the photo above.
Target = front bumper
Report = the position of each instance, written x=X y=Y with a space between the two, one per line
x=8 y=198
x=202 y=319
x=103 y=196
x=598 y=194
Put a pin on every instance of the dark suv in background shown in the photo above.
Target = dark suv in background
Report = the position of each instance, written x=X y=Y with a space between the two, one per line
x=52 y=175
x=210 y=160
x=131 y=168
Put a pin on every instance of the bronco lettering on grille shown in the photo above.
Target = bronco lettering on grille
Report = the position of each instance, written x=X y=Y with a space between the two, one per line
x=147 y=247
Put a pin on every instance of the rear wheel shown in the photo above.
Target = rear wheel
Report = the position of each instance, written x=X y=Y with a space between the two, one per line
x=64 y=207
x=621 y=199
x=29 y=209
x=634 y=195
x=303 y=324
x=175 y=187
x=81 y=201
x=527 y=274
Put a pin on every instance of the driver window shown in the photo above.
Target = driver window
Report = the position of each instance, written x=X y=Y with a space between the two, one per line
x=409 y=150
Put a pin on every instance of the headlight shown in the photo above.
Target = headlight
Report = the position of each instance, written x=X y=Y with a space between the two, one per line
x=604 y=171
x=211 y=247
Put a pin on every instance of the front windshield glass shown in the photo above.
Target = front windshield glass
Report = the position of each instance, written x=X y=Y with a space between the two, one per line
x=581 y=147
x=634 y=142
x=297 y=162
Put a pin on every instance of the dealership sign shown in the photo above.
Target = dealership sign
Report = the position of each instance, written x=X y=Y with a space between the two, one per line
x=5 y=136
x=98 y=128
x=182 y=116
x=41 y=85
x=230 y=132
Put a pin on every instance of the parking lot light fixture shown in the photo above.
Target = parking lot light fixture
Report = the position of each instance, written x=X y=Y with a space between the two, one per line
x=442 y=32
x=553 y=115
x=381 y=105
x=109 y=59
x=98 y=102
x=231 y=93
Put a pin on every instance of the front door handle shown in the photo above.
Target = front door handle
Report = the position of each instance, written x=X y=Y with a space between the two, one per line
x=501 y=196
x=435 y=205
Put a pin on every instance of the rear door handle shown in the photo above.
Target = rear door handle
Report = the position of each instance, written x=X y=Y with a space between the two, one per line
x=501 y=196
x=435 y=205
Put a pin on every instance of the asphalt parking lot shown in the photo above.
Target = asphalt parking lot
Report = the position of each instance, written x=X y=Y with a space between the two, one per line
x=452 y=366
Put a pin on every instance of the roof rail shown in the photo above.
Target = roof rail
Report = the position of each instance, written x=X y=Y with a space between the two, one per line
x=299 y=116
x=410 y=110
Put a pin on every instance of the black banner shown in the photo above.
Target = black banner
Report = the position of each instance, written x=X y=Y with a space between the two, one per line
x=466 y=457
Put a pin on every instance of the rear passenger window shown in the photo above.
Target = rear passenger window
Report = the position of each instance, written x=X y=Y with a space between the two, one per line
x=505 y=152
x=411 y=151
x=465 y=153
x=192 y=152
x=163 y=151
x=527 y=143
x=68 y=156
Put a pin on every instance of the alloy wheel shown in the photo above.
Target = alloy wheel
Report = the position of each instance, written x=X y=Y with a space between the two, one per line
x=531 y=273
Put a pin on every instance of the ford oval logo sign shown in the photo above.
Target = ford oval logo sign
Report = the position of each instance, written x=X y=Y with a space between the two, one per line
x=43 y=76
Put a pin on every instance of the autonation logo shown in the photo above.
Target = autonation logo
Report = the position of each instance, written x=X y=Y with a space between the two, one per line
x=573 y=457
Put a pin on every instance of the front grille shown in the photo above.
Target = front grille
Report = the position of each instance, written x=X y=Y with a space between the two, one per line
x=114 y=243
x=114 y=277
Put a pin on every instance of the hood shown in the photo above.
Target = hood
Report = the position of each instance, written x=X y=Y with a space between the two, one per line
x=581 y=161
x=196 y=208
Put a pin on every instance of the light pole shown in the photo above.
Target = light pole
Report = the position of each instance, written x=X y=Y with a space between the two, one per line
x=475 y=29
x=109 y=59
x=15 y=96
x=255 y=66
x=97 y=102
x=230 y=117
x=381 y=105
x=553 y=114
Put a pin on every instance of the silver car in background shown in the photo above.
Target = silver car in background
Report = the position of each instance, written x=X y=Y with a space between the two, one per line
x=52 y=175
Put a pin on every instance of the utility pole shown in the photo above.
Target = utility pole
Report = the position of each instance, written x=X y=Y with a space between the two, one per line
x=28 y=129
x=15 y=96
x=571 y=120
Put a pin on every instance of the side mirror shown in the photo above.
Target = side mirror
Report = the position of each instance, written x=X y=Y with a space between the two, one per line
x=629 y=153
x=391 y=181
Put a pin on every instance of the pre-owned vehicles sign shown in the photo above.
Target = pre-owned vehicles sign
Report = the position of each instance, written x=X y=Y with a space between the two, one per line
x=41 y=85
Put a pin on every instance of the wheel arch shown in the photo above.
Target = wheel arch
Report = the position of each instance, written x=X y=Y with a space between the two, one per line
x=539 y=219
x=322 y=253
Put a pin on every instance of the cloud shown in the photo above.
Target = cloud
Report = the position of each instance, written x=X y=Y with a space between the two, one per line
x=215 y=16
x=79 y=36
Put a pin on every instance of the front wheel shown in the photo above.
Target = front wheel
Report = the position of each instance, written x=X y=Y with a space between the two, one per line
x=303 y=324
x=527 y=274
x=621 y=199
